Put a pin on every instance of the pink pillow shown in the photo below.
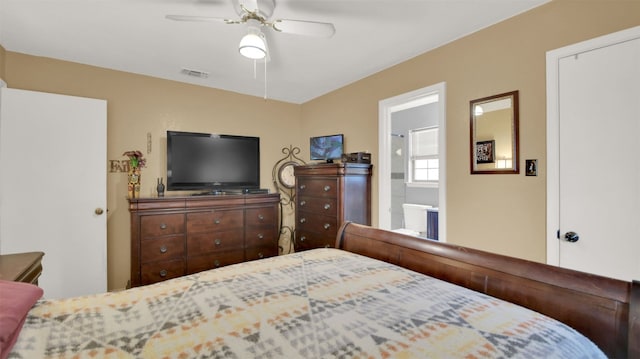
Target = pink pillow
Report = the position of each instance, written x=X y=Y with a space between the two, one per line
x=16 y=299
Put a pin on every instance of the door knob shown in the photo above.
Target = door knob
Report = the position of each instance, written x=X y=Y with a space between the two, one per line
x=571 y=237
x=99 y=211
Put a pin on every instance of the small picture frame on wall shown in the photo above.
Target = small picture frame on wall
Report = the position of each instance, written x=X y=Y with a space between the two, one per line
x=485 y=151
x=531 y=167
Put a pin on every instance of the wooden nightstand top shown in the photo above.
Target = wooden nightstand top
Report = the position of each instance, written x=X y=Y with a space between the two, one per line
x=21 y=267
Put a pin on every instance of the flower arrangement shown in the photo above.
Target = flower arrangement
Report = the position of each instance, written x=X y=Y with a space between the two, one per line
x=136 y=159
x=136 y=162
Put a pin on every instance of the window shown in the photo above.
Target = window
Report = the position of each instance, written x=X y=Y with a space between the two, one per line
x=424 y=165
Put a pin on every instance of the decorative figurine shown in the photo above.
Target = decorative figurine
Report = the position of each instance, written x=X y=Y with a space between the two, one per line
x=160 y=187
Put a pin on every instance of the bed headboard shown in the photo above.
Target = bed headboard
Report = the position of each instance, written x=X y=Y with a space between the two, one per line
x=605 y=310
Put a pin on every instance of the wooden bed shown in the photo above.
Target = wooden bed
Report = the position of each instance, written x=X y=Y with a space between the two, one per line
x=378 y=295
x=605 y=310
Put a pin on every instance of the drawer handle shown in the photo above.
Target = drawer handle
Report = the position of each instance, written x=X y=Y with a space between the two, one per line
x=302 y=203
x=217 y=242
x=163 y=249
x=302 y=238
x=302 y=220
x=327 y=206
x=163 y=226
x=303 y=186
x=327 y=245
x=163 y=273
x=261 y=217
x=216 y=221
x=216 y=263
x=326 y=226
x=260 y=255
x=260 y=236
x=327 y=188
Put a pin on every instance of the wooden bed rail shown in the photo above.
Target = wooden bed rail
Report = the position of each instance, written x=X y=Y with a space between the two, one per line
x=605 y=310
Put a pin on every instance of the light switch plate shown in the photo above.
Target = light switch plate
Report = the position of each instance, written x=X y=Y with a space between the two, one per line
x=531 y=167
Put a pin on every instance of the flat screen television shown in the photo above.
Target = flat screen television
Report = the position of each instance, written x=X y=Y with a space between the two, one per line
x=326 y=148
x=212 y=162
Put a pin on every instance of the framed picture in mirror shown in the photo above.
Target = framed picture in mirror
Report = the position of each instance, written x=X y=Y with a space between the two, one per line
x=485 y=151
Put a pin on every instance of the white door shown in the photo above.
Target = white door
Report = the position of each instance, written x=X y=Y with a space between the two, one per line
x=386 y=108
x=597 y=228
x=53 y=187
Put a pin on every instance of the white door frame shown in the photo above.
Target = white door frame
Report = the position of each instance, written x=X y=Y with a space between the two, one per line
x=553 y=129
x=386 y=108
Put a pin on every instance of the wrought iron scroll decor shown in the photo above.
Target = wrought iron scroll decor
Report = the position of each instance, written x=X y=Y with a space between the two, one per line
x=284 y=182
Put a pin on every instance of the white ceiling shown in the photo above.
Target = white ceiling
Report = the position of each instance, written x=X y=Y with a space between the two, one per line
x=134 y=36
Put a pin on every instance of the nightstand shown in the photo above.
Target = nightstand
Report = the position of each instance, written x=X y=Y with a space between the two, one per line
x=21 y=267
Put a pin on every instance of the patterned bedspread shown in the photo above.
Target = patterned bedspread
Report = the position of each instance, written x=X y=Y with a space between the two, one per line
x=323 y=303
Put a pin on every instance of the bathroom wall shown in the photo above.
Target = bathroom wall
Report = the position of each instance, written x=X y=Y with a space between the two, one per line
x=401 y=123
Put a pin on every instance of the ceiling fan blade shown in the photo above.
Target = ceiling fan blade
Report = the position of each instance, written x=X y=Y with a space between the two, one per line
x=200 y=18
x=307 y=28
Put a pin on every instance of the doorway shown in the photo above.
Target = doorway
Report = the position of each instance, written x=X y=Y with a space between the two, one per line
x=593 y=184
x=398 y=117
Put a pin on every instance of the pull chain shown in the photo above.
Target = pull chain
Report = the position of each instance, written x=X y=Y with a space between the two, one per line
x=265 y=78
x=255 y=72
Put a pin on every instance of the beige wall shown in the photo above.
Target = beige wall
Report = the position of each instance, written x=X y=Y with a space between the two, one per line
x=501 y=213
x=138 y=105
x=3 y=54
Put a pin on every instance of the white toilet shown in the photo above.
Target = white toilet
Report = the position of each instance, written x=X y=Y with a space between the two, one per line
x=415 y=219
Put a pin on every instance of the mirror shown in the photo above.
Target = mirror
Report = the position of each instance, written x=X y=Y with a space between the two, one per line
x=494 y=134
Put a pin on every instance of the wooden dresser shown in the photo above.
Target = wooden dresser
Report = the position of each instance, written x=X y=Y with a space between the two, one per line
x=21 y=267
x=175 y=236
x=328 y=194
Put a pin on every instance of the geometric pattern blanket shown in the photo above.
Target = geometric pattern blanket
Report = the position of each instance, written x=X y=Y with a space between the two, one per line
x=323 y=303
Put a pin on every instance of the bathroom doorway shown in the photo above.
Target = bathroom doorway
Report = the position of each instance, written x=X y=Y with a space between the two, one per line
x=402 y=120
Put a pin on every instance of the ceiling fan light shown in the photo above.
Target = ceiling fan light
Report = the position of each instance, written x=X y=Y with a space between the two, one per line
x=252 y=46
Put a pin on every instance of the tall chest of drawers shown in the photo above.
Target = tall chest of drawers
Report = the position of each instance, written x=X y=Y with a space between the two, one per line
x=328 y=194
x=175 y=236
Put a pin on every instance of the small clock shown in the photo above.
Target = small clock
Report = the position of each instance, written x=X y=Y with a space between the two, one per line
x=285 y=175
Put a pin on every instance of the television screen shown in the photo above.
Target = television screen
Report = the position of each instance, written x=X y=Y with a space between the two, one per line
x=327 y=148
x=212 y=162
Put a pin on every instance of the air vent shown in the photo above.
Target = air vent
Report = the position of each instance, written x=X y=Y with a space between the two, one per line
x=195 y=73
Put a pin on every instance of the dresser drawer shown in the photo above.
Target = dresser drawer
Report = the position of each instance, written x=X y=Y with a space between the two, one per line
x=261 y=216
x=320 y=205
x=261 y=236
x=163 y=248
x=159 y=271
x=201 y=243
x=223 y=220
x=214 y=260
x=260 y=252
x=318 y=187
x=308 y=240
x=313 y=222
x=161 y=224
x=173 y=236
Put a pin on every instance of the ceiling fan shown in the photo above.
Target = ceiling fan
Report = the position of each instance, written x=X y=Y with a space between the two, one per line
x=256 y=14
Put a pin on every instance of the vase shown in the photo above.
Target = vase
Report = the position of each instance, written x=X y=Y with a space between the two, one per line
x=133 y=186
